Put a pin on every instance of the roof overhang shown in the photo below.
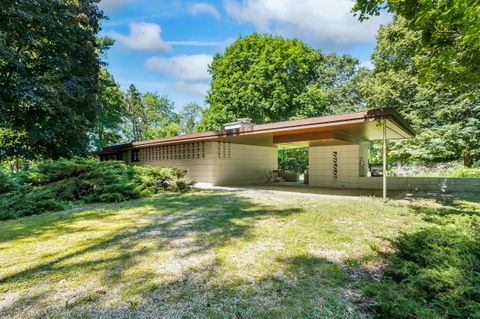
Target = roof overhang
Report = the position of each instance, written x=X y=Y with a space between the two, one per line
x=339 y=129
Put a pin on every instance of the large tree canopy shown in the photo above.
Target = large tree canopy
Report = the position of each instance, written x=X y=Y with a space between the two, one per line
x=48 y=76
x=265 y=78
x=269 y=78
x=447 y=119
x=449 y=29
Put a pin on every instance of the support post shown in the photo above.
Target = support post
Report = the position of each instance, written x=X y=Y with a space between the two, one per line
x=384 y=124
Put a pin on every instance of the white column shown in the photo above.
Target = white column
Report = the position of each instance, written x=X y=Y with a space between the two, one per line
x=384 y=160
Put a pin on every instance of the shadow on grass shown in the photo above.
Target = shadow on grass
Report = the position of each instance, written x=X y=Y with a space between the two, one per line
x=434 y=272
x=51 y=223
x=192 y=228
x=310 y=287
x=187 y=225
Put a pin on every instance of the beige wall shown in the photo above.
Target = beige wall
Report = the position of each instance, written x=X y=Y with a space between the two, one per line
x=217 y=163
x=240 y=164
x=195 y=158
x=349 y=168
x=350 y=174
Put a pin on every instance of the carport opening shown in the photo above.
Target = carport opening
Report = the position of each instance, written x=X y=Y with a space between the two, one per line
x=375 y=159
x=293 y=164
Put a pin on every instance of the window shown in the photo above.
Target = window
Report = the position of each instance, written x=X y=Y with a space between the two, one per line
x=135 y=155
x=224 y=150
x=335 y=165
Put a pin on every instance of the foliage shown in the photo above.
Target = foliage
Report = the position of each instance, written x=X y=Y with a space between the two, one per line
x=339 y=77
x=55 y=185
x=107 y=130
x=7 y=182
x=269 y=78
x=433 y=273
x=110 y=100
x=447 y=121
x=134 y=113
x=159 y=117
x=449 y=50
x=190 y=117
x=149 y=116
x=451 y=169
x=48 y=76
x=293 y=160
x=264 y=77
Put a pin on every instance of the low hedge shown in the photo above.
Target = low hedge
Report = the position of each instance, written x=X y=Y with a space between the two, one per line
x=432 y=273
x=56 y=185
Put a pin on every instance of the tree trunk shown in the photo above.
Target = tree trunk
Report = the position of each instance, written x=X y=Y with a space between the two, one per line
x=467 y=159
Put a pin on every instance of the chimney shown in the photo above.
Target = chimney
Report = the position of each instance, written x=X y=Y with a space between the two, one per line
x=243 y=122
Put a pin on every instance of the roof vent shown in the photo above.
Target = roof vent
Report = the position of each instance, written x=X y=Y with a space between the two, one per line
x=243 y=122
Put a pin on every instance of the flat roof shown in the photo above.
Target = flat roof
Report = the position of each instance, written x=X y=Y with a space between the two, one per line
x=345 y=128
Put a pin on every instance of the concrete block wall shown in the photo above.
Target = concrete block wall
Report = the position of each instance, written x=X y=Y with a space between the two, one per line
x=199 y=165
x=240 y=164
x=351 y=164
x=437 y=184
x=351 y=174
x=221 y=163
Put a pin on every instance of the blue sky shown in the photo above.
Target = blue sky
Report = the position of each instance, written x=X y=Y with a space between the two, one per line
x=165 y=46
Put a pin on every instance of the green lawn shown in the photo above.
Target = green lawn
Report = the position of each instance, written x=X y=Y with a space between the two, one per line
x=206 y=254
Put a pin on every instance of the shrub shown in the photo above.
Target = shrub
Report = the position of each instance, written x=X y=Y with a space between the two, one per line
x=7 y=183
x=450 y=169
x=183 y=186
x=434 y=273
x=53 y=185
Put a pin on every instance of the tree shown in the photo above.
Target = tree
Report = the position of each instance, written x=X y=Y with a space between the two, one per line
x=265 y=78
x=159 y=118
x=134 y=114
x=339 y=78
x=190 y=118
x=149 y=116
x=107 y=130
x=447 y=120
x=48 y=76
x=271 y=79
x=449 y=47
x=110 y=100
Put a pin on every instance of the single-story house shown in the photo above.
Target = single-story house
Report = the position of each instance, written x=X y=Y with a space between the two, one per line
x=243 y=153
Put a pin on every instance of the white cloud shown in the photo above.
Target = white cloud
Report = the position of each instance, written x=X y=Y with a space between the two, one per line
x=182 y=67
x=194 y=88
x=190 y=72
x=367 y=64
x=200 y=8
x=143 y=36
x=329 y=21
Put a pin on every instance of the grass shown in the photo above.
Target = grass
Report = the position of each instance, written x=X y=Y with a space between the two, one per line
x=207 y=255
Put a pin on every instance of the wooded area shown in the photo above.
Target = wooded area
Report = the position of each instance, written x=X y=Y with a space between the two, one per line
x=57 y=98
